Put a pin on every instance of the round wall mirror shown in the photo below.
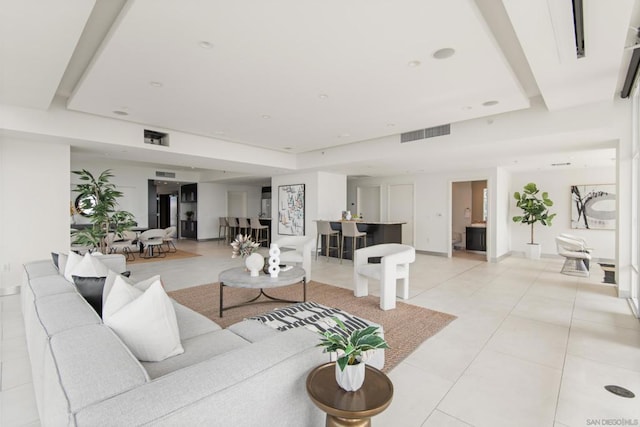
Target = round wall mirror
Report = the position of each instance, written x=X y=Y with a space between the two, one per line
x=84 y=204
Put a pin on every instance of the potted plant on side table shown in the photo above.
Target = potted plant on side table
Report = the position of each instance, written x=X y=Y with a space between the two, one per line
x=535 y=208
x=350 y=350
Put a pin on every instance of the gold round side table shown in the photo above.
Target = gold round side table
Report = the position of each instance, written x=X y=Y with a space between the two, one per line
x=349 y=408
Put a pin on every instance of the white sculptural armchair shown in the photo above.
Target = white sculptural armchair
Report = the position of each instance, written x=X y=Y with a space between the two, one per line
x=302 y=247
x=576 y=254
x=394 y=265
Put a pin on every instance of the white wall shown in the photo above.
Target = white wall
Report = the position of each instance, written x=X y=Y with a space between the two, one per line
x=558 y=185
x=499 y=230
x=34 y=207
x=212 y=204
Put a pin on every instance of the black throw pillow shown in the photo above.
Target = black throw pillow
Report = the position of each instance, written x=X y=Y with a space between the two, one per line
x=91 y=289
x=54 y=257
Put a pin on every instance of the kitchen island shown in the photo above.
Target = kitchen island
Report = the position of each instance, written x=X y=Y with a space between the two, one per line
x=378 y=232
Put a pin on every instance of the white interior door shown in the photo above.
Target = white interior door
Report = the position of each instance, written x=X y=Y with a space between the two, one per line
x=401 y=209
x=237 y=204
x=368 y=203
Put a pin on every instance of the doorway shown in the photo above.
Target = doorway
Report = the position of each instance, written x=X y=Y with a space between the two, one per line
x=469 y=214
x=368 y=203
x=162 y=203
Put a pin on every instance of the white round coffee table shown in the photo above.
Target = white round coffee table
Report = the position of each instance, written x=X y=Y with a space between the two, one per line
x=240 y=278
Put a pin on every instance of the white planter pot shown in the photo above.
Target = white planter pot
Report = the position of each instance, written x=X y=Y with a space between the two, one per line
x=532 y=251
x=254 y=263
x=351 y=378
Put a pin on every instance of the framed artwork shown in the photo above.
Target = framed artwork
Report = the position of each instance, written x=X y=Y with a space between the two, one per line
x=593 y=207
x=291 y=210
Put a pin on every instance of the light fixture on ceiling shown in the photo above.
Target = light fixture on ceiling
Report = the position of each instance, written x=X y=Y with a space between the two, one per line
x=266 y=116
x=467 y=107
x=632 y=71
x=287 y=148
x=490 y=103
x=323 y=96
x=414 y=64
x=390 y=125
x=156 y=84
x=205 y=44
x=444 y=53
x=561 y=164
x=120 y=113
x=578 y=27
x=344 y=135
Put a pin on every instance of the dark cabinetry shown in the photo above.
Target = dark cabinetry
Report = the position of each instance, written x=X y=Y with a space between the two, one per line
x=476 y=239
x=189 y=211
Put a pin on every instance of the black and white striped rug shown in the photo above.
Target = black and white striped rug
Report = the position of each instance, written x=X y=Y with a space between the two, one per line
x=312 y=316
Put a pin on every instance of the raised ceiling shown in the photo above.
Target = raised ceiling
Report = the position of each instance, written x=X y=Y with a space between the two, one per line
x=303 y=76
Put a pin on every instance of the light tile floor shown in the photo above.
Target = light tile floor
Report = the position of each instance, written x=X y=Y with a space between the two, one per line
x=530 y=347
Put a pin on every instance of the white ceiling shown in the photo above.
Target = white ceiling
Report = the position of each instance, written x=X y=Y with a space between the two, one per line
x=301 y=76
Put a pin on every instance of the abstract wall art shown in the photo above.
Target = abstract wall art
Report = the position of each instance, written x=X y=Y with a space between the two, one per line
x=593 y=207
x=291 y=210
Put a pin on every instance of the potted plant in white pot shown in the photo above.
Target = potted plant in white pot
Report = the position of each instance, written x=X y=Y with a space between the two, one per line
x=535 y=208
x=350 y=350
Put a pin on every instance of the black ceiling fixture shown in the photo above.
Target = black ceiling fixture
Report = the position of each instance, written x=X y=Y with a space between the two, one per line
x=632 y=73
x=578 y=27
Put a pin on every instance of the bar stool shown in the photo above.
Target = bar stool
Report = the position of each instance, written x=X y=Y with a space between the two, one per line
x=243 y=224
x=324 y=229
x=223 y=227
x=350 y=229
x=233 y=227
x=257 y=230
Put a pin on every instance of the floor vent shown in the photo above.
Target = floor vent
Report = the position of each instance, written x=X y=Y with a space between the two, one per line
x=620 y=391
x=425 y=133
x=166 y=174
x=156 y=138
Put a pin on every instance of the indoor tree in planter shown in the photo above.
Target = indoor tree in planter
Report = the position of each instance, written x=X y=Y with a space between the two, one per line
x=98 y=198
x=535 y=208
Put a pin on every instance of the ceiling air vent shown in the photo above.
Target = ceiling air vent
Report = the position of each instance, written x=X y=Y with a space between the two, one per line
x=425 y=133
x=165 y=174
x=156 y=138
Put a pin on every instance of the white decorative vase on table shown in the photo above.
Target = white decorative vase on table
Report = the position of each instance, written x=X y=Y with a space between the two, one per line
x=274 y=260
x=254 y=263
x=352 y=377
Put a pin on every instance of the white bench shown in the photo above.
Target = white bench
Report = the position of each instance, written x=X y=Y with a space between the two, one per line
x=394 y=265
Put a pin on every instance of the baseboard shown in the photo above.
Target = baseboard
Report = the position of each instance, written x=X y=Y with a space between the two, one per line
x=500 y=258
x=442 y=254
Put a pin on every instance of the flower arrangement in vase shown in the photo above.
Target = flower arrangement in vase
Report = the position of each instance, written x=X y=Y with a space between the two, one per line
x=244 y=246
x=350 y=350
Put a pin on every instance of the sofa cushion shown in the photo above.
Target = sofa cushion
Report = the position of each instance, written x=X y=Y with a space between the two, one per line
x=50 y=285
x=196 y=350
x=191 y=323
x=146 y=323
x=94 y=365
x=252 y=331
x=37 y=269
x=64 y=311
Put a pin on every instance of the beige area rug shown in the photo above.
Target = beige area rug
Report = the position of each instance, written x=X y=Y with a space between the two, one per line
x=169 y=256
x=405 y=327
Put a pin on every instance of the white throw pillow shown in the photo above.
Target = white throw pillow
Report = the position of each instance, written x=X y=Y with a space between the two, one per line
x=62 y=263
x=145 y=321
x=111 y=278
x=87 y=266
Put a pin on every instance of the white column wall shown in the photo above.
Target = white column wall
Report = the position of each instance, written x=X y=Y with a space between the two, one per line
x=212 y=204
x=34 y=207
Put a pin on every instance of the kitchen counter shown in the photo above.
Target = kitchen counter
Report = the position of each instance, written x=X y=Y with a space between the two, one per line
x=378 y=232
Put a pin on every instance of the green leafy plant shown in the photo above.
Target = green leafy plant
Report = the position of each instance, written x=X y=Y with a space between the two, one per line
x=535 y=207
x=350 y=347
x=99 y=199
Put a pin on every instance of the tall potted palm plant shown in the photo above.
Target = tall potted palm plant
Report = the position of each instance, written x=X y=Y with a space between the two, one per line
x=99 y=198
x=535 y=208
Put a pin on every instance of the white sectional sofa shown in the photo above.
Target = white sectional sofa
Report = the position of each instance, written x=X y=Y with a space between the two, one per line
x=84 y=375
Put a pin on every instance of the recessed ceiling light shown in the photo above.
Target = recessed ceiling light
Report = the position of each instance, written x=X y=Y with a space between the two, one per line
x=120 y=113
x=287 y=148
x=156 y=84
x=323 y=96
x=205 y=44
x=390 y=125
x=414 y=64
x=344 y=135
x=220 y=132
x=490 y=103
x=467 y=107
x=266 y=116
x=444 y=53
